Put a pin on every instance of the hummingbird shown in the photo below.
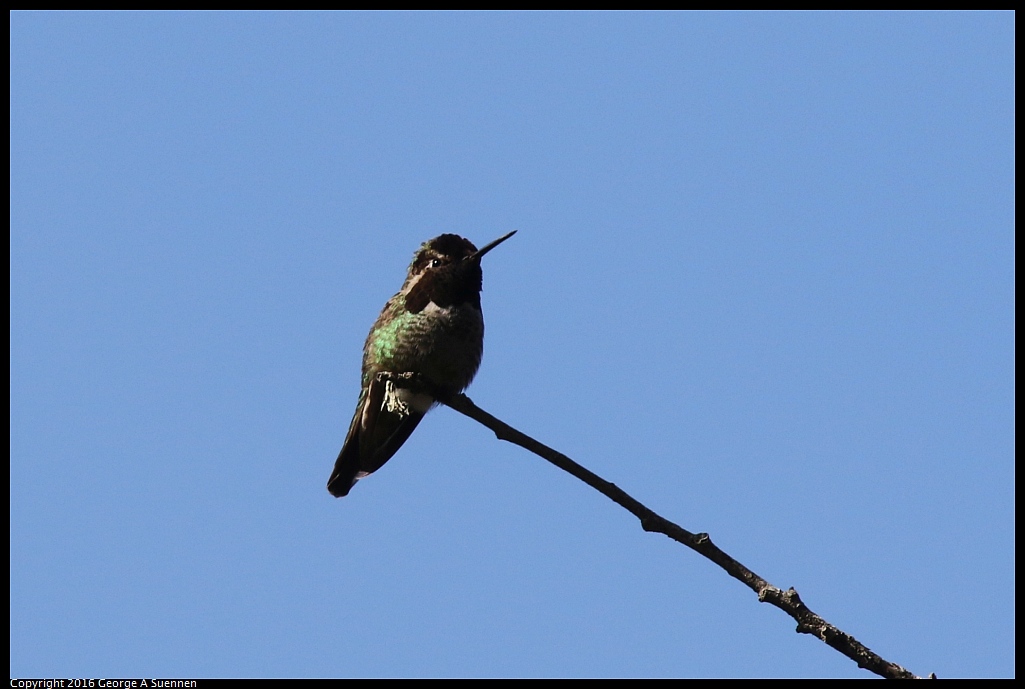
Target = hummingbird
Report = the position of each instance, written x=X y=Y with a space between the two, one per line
x=433 y=328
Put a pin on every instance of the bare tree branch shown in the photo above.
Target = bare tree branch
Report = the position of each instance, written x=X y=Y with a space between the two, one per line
x=788 y=601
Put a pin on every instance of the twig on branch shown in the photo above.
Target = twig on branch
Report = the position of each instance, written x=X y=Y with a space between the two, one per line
x=788 y=601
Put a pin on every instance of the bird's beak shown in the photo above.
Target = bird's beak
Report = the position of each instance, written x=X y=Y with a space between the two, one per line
x=480 y=252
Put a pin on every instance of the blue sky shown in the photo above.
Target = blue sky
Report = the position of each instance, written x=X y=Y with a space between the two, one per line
x=763 y=281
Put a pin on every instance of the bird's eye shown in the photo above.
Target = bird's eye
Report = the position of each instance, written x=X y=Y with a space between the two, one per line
x=435 y=262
